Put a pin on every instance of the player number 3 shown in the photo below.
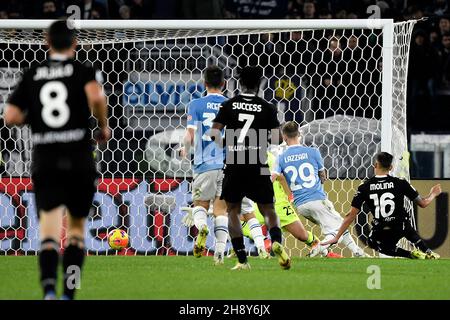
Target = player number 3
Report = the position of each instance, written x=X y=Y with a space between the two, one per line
x=55 y=111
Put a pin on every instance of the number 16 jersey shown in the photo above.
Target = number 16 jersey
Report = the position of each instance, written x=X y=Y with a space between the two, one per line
x=385 y=198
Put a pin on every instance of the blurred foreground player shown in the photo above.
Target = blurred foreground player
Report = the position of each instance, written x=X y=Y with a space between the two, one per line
x=56 y=98
x=250 y=124
x=384 y=196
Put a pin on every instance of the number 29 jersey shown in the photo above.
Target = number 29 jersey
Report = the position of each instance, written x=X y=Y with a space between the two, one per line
x=300 y=165
x=53 y=98
x=385 y=198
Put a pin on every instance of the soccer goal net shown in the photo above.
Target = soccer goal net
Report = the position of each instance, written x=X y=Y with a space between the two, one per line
x=344 y=81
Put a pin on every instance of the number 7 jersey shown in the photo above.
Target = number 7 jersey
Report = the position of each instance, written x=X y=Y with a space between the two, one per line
x=300 y=165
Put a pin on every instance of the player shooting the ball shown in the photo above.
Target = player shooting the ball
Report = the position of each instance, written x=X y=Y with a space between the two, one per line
x=384 y=196
x=303 y=167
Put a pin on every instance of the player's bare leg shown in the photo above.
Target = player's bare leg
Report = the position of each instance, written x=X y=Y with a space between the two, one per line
x=200 y=213
x=73 y=257
x=50 y=227
x=220 y=229
x=237 y=238
x=276 y=236
x=300 y=233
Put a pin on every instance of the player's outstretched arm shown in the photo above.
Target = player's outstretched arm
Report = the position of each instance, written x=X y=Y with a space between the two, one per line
x=13 y=116
x=349 y=218
x=97 y=103
x=425 y=202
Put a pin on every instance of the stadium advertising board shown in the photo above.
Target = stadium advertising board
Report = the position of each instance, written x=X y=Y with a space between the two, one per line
x=121 y=203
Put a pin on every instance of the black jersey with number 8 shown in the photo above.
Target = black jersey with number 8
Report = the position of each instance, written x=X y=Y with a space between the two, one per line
x=52 y=96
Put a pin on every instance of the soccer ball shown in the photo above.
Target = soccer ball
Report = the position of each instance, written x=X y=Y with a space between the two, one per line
x=118 y=239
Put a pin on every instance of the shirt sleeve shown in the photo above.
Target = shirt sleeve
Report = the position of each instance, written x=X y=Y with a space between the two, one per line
x=276 y=166
x=20 y=97
x=358 y=199
x=409 y=190
x=222 y=116
x=92 y=74
x=191 y=116
x=273 y=118
x=319 y=159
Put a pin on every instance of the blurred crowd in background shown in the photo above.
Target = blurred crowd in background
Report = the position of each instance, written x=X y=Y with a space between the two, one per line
x=214 y=9
x=429 y=67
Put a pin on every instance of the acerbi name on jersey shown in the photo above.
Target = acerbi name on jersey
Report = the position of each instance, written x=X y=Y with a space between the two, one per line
x=213 y=106
x=246 y=106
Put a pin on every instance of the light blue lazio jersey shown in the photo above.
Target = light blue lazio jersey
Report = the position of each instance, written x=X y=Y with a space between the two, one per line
x=201 y=113
x=301 y=165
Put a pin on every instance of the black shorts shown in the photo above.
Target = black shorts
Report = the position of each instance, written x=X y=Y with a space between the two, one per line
x=388 y=236
x=64 y=175
x=74 y=190
x=238 y=184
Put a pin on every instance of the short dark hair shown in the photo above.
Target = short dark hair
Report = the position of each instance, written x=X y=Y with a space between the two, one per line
x=250 y=77
x=60 y=36
x=384 y=159
x=214 y=77
x=290 y=129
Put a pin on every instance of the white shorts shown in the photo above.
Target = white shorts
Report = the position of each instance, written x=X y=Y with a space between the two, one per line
x=206 y=186
x=322 y=212
x=247 y=206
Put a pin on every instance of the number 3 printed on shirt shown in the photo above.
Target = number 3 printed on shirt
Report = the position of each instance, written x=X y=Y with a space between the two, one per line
x=55 y=111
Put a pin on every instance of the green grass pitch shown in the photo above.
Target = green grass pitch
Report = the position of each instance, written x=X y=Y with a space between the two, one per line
x=169 y=277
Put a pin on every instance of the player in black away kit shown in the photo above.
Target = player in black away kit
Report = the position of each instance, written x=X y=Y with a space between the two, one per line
x=250 y=123
x=384 y=196
x=56 y=98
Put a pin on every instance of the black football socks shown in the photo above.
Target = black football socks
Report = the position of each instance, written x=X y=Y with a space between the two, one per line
x=48 y=265
x=275 y=234
x=73 y=259
x=239 y=249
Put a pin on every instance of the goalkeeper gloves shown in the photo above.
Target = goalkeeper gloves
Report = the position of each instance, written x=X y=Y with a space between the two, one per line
x=188 y=219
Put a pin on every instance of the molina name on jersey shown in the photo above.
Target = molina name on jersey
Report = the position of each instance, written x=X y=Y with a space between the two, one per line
x=248 y=120
x=301 y=165
x=385 y=199
x=201 y=113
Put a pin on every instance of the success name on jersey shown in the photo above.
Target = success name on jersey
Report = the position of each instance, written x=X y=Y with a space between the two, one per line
x=246 y=106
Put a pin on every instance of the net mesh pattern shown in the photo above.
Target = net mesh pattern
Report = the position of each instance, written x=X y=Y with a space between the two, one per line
x=328 y=80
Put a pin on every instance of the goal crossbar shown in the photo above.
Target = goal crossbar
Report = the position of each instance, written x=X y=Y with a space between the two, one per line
x=312 y=24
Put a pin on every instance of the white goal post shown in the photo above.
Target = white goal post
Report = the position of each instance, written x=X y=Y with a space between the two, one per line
x=344 y=80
